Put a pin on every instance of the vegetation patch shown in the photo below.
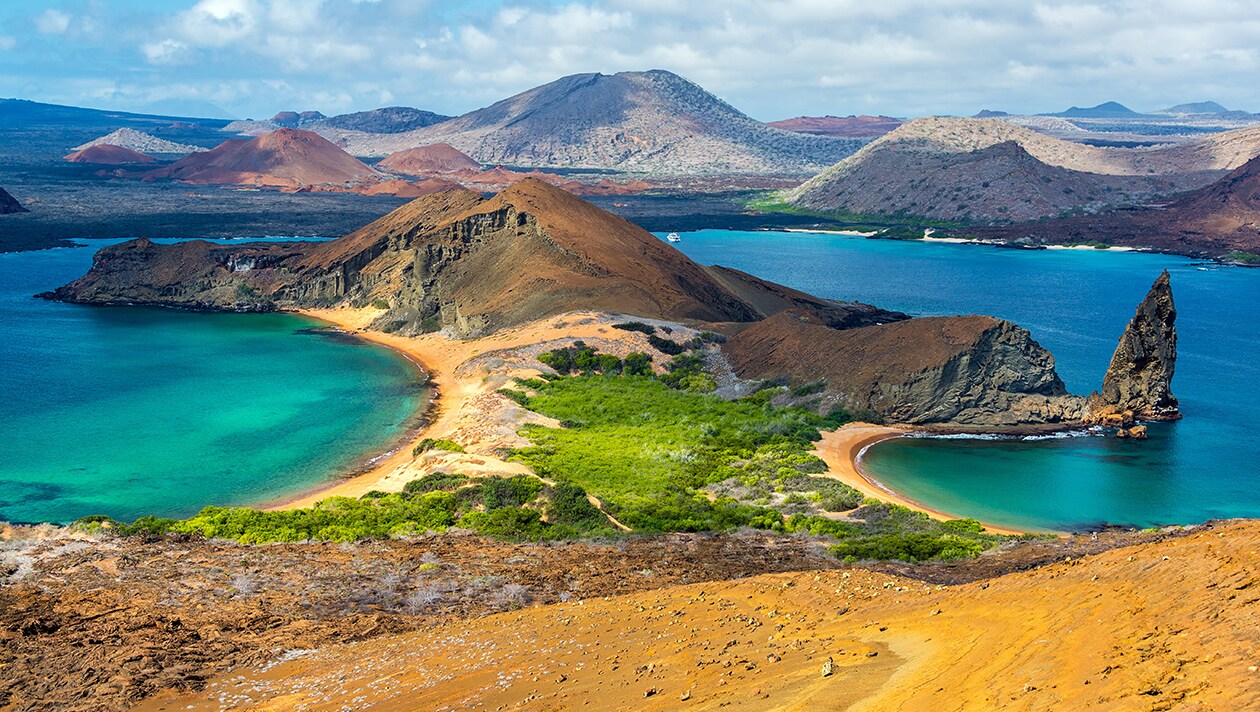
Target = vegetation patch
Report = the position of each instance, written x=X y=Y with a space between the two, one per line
x=435 y=444
x=514 y=508
x=664 y=459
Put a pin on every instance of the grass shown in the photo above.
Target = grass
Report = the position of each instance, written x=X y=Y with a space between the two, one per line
x=510 y=508
x=1245 y=258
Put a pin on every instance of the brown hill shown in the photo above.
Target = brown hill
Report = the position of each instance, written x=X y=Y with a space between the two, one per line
x=9 y=204
x=1214 y=221
x=405 y=189
x=109 y=155
x=840 y=126
x=959 y=370
x=458 y=262
x=994 y=170
x=283 y=158
x=429 y=160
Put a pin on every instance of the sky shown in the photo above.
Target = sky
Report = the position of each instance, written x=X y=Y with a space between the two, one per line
x=773 y=60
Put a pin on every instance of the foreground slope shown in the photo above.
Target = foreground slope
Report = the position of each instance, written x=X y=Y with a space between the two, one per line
x=1168 y=625
x=994 y=170
x=286 y=157
x=653 y=121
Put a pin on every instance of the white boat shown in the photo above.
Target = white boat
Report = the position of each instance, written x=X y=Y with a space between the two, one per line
x=673 y=237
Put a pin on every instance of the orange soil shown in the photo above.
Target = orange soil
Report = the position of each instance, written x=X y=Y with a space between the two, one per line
x=1167 y=626
x=842 y=449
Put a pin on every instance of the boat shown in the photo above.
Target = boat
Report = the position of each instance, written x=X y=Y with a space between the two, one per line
x=673 y=237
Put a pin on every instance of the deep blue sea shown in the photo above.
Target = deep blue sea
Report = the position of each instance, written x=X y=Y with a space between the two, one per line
x=1076 y=303
x=128 y=411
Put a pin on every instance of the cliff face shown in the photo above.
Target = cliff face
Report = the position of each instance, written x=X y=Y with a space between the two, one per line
x=968 y=370
x=194 y=275
x=1139 y=379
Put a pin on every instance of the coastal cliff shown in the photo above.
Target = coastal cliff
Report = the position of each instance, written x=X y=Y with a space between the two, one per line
x=969 y=370
x=1138 y=384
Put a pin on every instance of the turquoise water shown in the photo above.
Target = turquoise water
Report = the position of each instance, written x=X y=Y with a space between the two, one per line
x=1075 y=303
x=134 y=411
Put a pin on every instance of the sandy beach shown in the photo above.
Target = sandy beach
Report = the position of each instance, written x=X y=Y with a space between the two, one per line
x=842 y=449
x=467 y=408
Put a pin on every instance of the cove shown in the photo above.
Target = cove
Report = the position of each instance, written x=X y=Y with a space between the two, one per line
x=130 y=411
x=1076 y=303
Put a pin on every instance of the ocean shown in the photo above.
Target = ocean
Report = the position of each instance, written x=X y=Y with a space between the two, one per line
x=1076 y=303
x=130 y=411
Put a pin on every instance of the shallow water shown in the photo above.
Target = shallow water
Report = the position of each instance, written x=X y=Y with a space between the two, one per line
x=128 y=411
x=1076 y=303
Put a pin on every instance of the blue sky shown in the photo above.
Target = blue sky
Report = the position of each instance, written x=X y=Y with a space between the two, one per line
x=771 y=59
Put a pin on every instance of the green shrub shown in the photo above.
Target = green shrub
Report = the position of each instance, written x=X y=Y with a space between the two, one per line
x=435 y=444
x=380 y=303
x=635 y=326
x=436 y=482
x=665 y=346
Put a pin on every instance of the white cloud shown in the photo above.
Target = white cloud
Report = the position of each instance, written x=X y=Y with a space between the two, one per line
x=771 y=59
x=166 y=51
x=7 y=43
x=52 y=22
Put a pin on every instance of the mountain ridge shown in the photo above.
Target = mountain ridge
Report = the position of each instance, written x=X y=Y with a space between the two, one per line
x=653 y=121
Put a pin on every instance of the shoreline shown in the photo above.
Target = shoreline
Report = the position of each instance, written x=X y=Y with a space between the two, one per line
x=842 y=450
x=359 y=481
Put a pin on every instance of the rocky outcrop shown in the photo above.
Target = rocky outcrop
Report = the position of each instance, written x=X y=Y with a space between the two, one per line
x=9 y=204
x=1138 y=384
x=967 y=370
